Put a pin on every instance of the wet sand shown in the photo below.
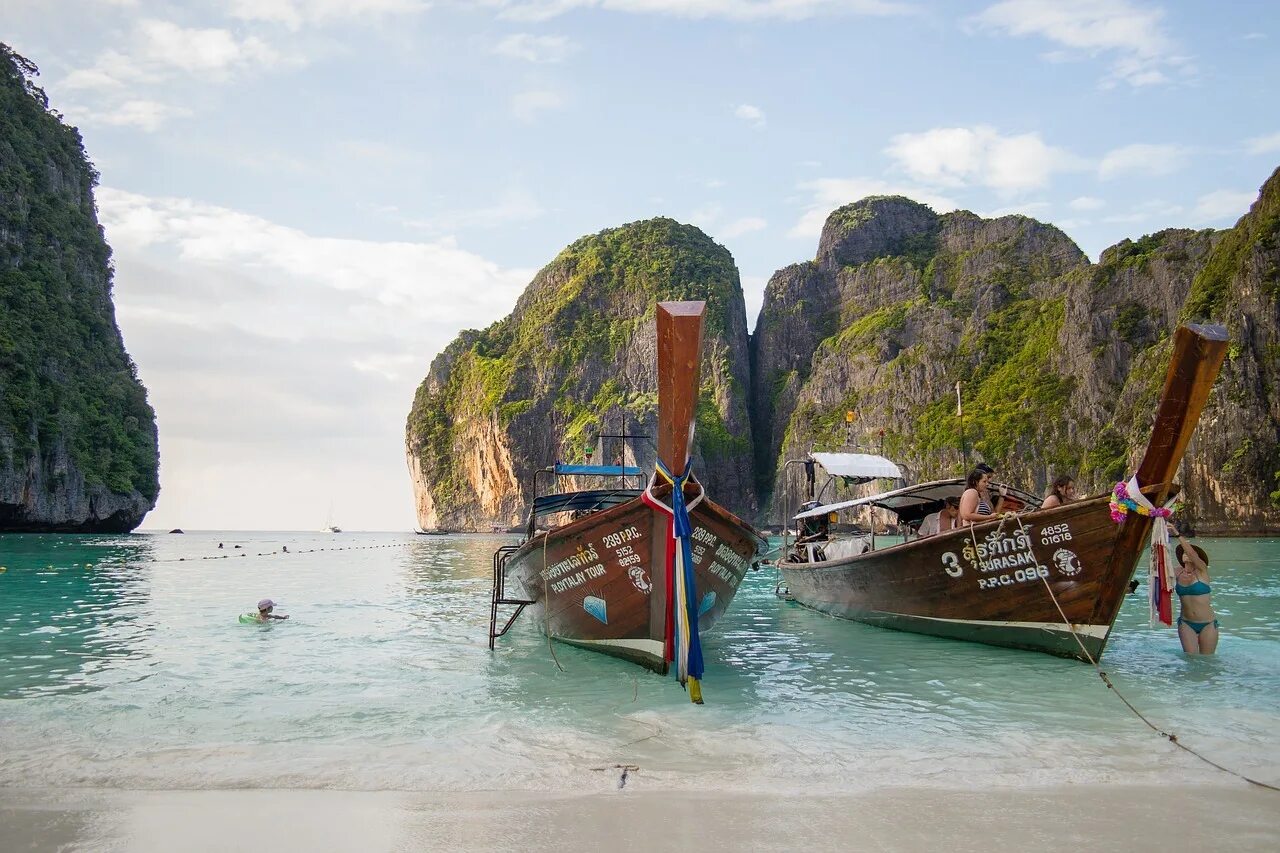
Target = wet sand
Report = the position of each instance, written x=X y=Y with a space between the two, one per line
x=1066 y=817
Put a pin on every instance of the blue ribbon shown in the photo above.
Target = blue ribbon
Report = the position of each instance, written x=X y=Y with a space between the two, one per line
x=683 y=529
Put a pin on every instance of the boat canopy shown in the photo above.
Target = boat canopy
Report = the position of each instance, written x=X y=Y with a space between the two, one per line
x=597 y=470
x=858 y=467
x=592 y=500
x=913 y=502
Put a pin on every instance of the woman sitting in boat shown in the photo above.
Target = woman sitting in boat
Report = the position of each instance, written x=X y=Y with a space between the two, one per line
x=1197 y=627
x=975 y=504
x=1063 y=491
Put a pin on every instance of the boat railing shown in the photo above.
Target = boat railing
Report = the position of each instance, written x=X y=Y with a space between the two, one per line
x=499 y=596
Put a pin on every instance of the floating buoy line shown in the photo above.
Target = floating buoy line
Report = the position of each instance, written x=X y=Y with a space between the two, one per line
x=282 y=552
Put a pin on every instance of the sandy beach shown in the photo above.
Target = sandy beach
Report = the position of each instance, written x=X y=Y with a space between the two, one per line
x=1114 y=817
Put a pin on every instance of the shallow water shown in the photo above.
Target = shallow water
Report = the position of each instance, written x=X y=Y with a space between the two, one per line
x=122 y=665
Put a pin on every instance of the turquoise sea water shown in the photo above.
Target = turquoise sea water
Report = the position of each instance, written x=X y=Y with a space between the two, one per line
x=122 y=665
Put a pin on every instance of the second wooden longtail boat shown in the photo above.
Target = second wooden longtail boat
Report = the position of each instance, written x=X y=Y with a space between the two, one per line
x=1046 y=580
x=636 y=573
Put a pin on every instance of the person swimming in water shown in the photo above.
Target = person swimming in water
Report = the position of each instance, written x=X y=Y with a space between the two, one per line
x=265 y=608
x=1197 y=626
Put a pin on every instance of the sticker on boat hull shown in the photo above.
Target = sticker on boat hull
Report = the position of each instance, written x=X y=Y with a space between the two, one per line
x=597 y=608
x=708 y=602
x=639 y=579
x=1067 y=562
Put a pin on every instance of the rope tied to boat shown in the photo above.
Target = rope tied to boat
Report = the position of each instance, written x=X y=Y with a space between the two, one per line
x=1128 y=497
x=682 y=644
x=1102 y=674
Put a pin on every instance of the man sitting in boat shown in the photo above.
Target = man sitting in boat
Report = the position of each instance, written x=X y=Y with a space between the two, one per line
x=947 y=518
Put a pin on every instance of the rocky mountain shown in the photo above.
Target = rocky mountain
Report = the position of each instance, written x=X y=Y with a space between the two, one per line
x=1059 y=360
x=573 y=362
x=78 y=445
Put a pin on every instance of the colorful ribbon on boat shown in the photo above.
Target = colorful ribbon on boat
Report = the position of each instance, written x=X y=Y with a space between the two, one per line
x=681 y=644
x=1128 y=497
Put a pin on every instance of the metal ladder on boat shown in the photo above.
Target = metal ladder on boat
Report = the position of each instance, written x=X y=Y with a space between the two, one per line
x=500 y=558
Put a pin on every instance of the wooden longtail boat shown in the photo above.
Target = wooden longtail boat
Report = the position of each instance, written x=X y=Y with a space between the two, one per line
x=1019 y=580
x=603 y=579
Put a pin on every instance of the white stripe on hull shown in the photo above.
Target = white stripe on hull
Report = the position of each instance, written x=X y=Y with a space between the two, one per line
x=650 y=647
x=1097 y=631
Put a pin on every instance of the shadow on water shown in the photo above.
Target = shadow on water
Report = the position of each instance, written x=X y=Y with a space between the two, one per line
x=69 y=610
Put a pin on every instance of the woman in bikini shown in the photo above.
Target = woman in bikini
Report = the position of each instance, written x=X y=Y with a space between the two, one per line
x=976 y=505
x=1063 y=492
x=1197 y=627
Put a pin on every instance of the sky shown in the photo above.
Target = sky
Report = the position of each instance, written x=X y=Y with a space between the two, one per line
x=307 y=200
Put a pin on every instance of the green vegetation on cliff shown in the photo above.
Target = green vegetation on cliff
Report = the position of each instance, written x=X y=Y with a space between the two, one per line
x=551 y=374
x=66 y=378
x=1261 y=225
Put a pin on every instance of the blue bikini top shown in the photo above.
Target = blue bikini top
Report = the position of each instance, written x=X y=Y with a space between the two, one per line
x=1197 y=588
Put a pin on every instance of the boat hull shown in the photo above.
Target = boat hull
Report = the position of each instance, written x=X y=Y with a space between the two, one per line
x=600 y=582
x=1051 y=581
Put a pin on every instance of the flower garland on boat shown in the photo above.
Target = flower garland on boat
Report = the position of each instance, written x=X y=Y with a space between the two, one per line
x=1122 y=504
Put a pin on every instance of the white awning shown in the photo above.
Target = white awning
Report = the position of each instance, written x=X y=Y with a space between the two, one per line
x=913 y=501
x=860 y=466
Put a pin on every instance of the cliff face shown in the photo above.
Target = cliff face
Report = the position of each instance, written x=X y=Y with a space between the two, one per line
x=1233 y=475
x=77 y=437
x=573 y=361
x=1060 y=360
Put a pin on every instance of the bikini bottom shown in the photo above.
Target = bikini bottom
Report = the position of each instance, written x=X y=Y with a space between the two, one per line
x=1197 y=626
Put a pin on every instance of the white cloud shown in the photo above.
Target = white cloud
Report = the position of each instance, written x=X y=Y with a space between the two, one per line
x=1142 y=159
x=527 y=106
x=829 y=193
x=752 y=114
x=539 y=49
x=738 y=227
x=201 y=51
x=1086 y=202
x=1031 y=209
x=1222 y=206
x=296 y=14
x=962 y=156
x=753 y=295
x=283 y=354
x=1156 y=210
x=140 y=113
x=126 y=83
x=1133 y=35
x=513 y=206
x=1263 y=144
x=737 y=10
x=113 y=70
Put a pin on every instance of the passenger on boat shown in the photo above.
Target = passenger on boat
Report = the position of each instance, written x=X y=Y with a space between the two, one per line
x=947 y=518
x=975 y=504
x=1197 y=627
x=1062 y=492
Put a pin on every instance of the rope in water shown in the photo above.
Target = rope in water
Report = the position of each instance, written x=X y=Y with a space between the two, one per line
x=1170 y=736
x=546 y=605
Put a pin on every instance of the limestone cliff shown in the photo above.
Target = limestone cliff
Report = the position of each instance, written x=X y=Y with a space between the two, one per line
x=77 y=437
x=573 y=361
x=1059 y=359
